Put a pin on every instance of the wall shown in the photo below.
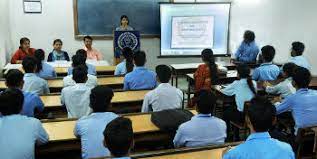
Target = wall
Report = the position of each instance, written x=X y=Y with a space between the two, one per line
x=275 y=22
x=4 y=32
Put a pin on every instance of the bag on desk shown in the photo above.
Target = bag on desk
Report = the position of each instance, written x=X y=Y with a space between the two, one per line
x=169 y=120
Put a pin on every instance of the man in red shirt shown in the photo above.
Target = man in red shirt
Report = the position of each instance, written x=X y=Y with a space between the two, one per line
x=23 y=51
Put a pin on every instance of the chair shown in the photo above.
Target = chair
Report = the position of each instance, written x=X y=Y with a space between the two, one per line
x=240 y=126
x=305 y=135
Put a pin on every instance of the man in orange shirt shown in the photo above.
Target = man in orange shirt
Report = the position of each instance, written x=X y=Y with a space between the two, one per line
x=92 y=53
x=23 y=51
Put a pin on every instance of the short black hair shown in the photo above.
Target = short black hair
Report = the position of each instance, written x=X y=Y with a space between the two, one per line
x=289 y=69
x=100 y=98
x=206 y=102
x=80 y=74
x=78 y=60
x=164 y=73
x=11 y=101
x=14 y=78
x=249 y=36
x=29 y=64
x=57 y=41
x=139 y=58
x=24 y=39
x=298 y=47
x=302 y=77
x=118 y=136
x=261 y=113
x=88 y=37
x=268 y=53
x=82 y=52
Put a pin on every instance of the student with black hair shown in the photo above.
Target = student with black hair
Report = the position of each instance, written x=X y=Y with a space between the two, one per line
x=204 y=128
x=81 y=60
x=164 y=96
x=248 y=49
x=23 y=51
x=118 y=137
x=298 y=49
x=259 y=118
x=43 y=69
x=76 y=97
x=33 y=83
x=267 y=71
x=19 y=133
x=140 y=77
x=126 y=65
x=58 y=54
x=90 y=128
x=92 y=53
x=32 y=102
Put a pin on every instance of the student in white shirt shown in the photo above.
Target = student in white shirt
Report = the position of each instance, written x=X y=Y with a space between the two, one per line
x=19 y=133
x=76 y=97
x=164 y=96
x=298 y=49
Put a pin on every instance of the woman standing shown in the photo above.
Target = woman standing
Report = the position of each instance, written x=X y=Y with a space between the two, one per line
x=124 y=24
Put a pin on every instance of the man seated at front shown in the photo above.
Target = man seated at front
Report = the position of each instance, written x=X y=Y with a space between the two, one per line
x=141 y=77
x=164 y=96
x=204 y=128
x=92 y=53
x=259 y=145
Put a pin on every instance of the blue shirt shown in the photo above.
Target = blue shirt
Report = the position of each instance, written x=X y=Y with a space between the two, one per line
x=91 y=70
x=90 y=130
x=301 y=61
x=35 y=84
x=121 y=68
x=266 y=72
x=31 y=101
x=47 y=71
x=19 y=135
x=247 y=52
x=303 y=105
x=242 y=92
x=201 y=130
x=139 y=78
x=261 y=146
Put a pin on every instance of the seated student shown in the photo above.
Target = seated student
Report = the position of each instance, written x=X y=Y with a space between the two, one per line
x=32 y=102
x=33 y=83
x=43 y=69
x=76 y=97
x=19 y=133
x=284 y=88
x=164 y=96
x=126 y=65
x=259 y=118
x=297 y=55
x=303 y=103
x=58 y=54
x=92 y=53
x=118 y=137
x=267 y=71
x=91 y=127
x=82 y=61
x=248 y=49
x=23 y=51
x=68 y=80
x=140 y=77
x=204 y=128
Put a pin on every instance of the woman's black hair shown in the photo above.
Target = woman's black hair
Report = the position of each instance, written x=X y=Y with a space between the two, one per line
x=124 y=16
x=39 y=55
x=289 y=69
x=128 y=55
x=57 y=40
x=208 y=57
x=244 y=72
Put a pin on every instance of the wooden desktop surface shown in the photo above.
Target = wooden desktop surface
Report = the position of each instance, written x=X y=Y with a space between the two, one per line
x=111 y=80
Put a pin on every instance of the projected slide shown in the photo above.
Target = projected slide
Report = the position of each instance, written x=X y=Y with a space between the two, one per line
x=192 y=32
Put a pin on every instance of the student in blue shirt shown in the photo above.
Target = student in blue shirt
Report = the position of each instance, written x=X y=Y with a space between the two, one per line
x=298 y=49
x=33 y=83
x=58 y=54
x=259 y=145
x=126 y=65
x=204 y=128
x=83 y=57
x=267 y=71
x=248 y=50
x=90 y=128
x=140 y=77
x=118 y=137
x=43 y=69
x=32 y=102
x=19 y=133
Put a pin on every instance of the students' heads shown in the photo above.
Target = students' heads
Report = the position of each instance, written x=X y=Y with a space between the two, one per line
x=39 y=54
x=82 y=53
x=80 y=74
x=297 y=48
x=88 y=41
x=57 y=44
x=128 y=55
x=11 y=101
x=78 y=60
x=207 y=56
x=163 y=73
x=243 y=70
x=24 y=43
x=29 y=64
x=260 y=114
x=139 y=58
x=14 y=79
x=124 y=20
x=118 y=137
x=268 y=53
x=100 y=98
x=248 y=36
x=301 y=78
x=289 y=69
x=206 y=102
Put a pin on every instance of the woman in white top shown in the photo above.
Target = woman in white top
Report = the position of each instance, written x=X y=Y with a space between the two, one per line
x=124 y=24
